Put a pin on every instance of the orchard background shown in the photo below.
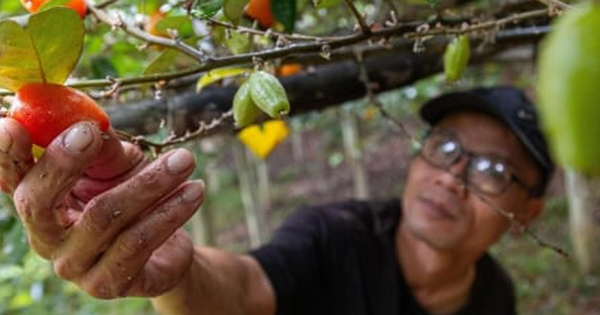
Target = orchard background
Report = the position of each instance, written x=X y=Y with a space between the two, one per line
x=355 y=73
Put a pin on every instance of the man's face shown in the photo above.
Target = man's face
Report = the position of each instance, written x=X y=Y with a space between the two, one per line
x=439 y=210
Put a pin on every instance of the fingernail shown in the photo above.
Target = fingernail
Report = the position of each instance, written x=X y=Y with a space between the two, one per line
x=78 y=138
x=179 y=161
x=6 y=140
x=193 y=191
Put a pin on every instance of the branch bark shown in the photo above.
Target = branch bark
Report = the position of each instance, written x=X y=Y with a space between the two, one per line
x=326 y=86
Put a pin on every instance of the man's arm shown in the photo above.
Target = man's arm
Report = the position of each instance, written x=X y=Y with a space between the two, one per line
x=220 y=283
x=111 y=222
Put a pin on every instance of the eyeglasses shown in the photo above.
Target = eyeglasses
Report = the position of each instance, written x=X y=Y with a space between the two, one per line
x=487 y=173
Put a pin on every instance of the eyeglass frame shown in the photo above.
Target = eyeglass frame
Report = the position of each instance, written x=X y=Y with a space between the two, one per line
x=470 y=155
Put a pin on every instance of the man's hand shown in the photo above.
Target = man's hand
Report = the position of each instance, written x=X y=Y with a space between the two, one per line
x=107 y=219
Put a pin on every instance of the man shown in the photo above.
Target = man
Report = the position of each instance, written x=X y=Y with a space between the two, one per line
x=110 y=222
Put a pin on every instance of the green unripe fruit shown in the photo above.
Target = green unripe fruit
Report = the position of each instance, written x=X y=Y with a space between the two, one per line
x=268 y=94
x=456 y=57
x=245 y=111
x=569 y=88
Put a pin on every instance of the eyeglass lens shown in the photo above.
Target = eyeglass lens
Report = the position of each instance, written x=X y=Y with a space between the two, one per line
x=483 y=172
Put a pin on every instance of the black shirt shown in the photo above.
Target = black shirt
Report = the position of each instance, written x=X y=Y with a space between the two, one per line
x=340 y=259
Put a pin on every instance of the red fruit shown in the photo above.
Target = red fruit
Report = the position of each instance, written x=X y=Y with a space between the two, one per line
x=289 y=69
x=34 y=5
x=153 y=19
x=260 y=10
x=46 y=110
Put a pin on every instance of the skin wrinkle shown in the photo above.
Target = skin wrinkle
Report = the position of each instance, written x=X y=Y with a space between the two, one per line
x=105 y=255
x=88 y=187
x=99 y=215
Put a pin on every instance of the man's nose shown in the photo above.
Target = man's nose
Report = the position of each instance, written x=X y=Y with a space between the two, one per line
x=455 y=176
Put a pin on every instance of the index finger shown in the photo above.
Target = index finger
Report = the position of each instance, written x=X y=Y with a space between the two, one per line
x=15 y=154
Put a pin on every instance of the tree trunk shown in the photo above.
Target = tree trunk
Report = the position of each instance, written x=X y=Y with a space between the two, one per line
x=296 y=138
x=264 y=193
x=584 y=210
x=249 y=194
x=353 y=154
x=203 y=231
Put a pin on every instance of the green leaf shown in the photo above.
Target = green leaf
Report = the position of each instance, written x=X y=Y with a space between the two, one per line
x=21 y=300
x=238 y=43
x=8 y=7
x=17 y=57
x=320 y=4
x=57 y=35
x=285 y=12
x=8 y=272
x=52 y=3
x=103 y=67
x=417 y=2
x=217 y=75
x=181 y=23
x=208 y=8
x=162 y=62
x=47 y=49
x=166 y=60
x=234 y=9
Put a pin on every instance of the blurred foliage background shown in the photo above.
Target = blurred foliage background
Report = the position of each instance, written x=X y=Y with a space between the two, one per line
x=310 y=166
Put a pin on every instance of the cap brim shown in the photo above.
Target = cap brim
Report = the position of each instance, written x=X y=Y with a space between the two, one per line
x=438 y=108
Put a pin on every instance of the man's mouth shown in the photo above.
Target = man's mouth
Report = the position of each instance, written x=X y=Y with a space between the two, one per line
x=437 y=209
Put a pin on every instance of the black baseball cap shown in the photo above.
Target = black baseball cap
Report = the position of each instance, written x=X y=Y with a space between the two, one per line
x=507 y=104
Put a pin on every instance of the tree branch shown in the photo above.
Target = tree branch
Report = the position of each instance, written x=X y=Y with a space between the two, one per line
x=105 y=4
x=269 y=33
x=556 y=4
x=359 y=18
x=406 y=30
x=324 y=86
x=494 y=24
x=138 y=33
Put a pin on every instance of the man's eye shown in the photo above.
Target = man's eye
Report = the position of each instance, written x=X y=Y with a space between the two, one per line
x=490 y=168
x=448 y=147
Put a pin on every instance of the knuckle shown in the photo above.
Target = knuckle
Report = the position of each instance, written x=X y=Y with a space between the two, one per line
x=40 y=247
x=66 y=268
x=23 y=204
x=132 y=244
x=98 y=288
x=166 y=215
x=100 y=212
x=153 y=288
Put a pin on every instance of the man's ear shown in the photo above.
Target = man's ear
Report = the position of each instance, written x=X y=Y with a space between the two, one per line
x=533 y=208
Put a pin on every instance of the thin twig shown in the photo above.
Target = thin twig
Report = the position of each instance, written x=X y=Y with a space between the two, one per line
x=215 y=63
x=511 y=217
x=203 y=129
x=105 y=4
x=556 y=4
x=494 y=24
x=359 y=18
x=373 y=99
x=140 y=34
x=271 y=34
x=393 y=8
